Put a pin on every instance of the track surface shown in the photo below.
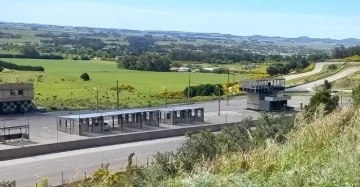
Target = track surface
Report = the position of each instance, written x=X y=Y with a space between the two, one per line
x=317 y=69
x=340 y=75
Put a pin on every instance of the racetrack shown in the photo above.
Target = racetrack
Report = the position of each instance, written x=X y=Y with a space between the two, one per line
x=317 y=69
x=340 y=75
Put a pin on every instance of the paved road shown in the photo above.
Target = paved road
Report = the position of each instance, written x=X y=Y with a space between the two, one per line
x=340 y=75
x=317 y=69
x=28 y=171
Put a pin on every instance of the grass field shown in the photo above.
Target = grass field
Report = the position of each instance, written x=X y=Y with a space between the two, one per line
x=60 y=85
x=347 y=83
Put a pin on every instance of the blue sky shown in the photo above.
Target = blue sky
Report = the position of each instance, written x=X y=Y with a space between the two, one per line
x=286 y=18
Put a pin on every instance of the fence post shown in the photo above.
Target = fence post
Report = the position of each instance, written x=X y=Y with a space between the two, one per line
x=62 y=178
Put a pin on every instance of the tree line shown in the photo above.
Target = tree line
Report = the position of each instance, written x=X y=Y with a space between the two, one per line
x=295 y=62
x=145 y=62
x=204 y=90
x=12 y=66
x=92 y=43
x=343 y=52
x=30 y=52
x=9 y=35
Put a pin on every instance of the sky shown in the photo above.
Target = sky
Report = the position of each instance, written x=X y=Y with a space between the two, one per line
x=286 y=18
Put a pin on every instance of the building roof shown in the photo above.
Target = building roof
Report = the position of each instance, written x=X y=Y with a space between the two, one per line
x=130 y=111
x=106 y=114
x=179 y=108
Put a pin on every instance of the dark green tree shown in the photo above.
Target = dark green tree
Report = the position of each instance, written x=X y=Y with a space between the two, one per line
x=29 y=50
x=332 y=67
x=85 y=76
x=272 y=70
x=324 y=97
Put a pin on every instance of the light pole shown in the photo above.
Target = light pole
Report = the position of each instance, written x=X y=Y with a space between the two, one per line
x=219 y=100
x=165 y=98
x=189 y=87
x=227 y=90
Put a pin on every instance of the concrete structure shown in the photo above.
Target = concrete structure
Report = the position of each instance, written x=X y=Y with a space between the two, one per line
x=16 y=98
x=264 y=94
x=185 y=115
x=14 y=132
x=250 y=66
x=100 y=122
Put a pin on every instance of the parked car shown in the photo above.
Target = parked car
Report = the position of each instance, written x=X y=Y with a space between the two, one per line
x=107 y=127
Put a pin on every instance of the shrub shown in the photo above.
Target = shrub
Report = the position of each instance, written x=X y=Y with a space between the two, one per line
x=85 y=77
x=332 y=67
x=322 y=97
x=84 y=58
x=204 y=90
x=222 y=70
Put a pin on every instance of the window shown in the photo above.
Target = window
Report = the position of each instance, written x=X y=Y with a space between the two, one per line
x=20 y=92
x=12 y=92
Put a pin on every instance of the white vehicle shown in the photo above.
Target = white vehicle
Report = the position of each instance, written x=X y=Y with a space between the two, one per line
x=107 y=127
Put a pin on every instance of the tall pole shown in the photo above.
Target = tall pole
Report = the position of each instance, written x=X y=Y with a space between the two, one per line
x=57 y=129
x=189 y=89
x=166 y=98
x=227 y=90
x=219 y=100
x=97 y=101
x=341 y=96
x=117 y=95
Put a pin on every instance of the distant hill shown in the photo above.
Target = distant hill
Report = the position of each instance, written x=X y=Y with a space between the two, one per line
x=257 y=39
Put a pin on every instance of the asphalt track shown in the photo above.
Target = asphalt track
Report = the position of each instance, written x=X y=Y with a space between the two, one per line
x=340 y=75
x=317 y=69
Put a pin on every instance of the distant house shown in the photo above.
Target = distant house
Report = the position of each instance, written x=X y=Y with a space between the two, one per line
x=250 y=66
x=181 y=69
x=174 y=69
x=207 y=70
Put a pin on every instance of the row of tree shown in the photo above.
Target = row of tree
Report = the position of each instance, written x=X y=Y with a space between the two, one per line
x=31 y=52
x=145 y=62
x=9 y=35
x=215 y=57
x=343 y=52
x=295 y=62
x=204 y=90
x=92 y=43
x=12 y=66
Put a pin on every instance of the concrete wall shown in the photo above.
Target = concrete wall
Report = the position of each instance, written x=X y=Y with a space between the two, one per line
x=253 y=101
x=103 y=141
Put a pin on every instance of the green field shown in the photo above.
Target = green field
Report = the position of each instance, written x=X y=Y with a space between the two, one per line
x=60 y=85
